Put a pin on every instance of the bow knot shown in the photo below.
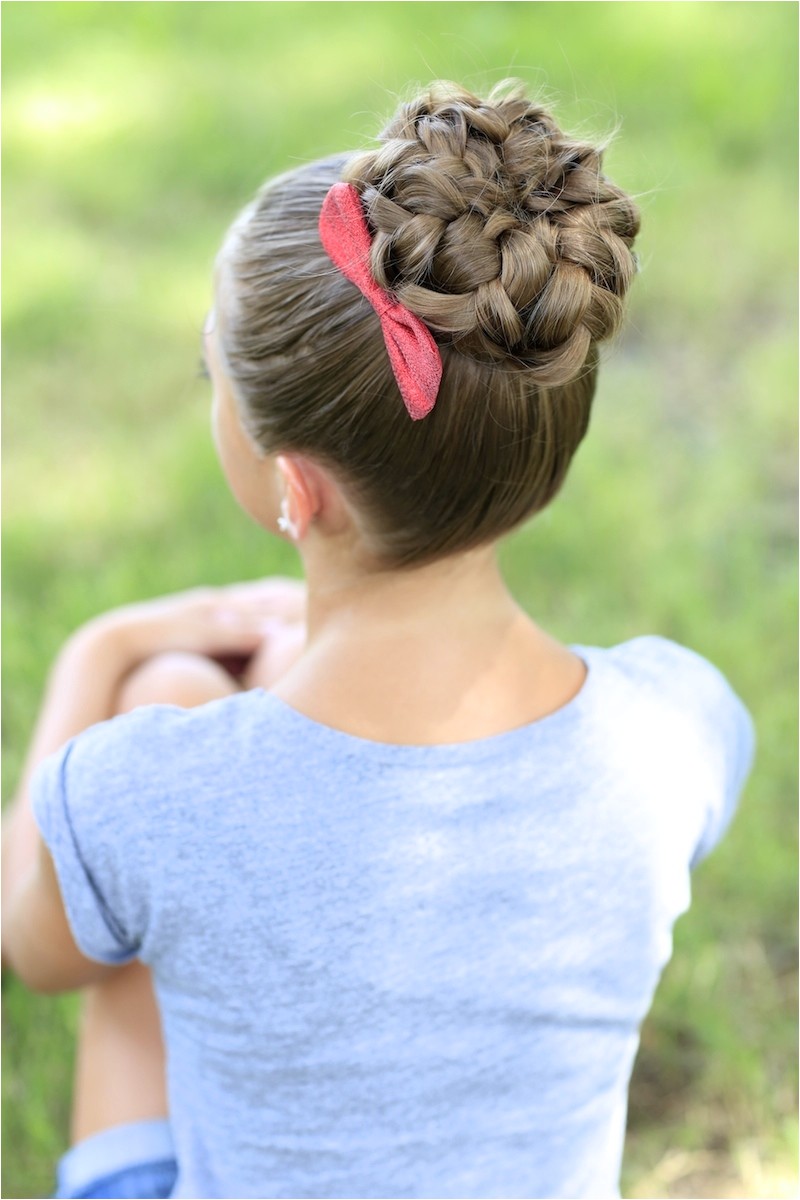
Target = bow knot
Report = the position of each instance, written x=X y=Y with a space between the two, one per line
x=412 y=350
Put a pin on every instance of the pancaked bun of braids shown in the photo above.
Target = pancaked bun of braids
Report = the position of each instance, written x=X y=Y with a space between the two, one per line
x=498 y=231
x=503 y=235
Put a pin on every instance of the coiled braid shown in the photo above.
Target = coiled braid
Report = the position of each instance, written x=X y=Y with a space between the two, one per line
x=497 y=230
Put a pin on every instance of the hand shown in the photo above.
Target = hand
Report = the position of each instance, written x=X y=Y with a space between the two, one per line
x=285 y=599
x=283 y=644
x=216 y=622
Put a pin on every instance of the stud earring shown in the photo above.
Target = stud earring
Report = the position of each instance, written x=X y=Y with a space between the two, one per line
x=285 y=522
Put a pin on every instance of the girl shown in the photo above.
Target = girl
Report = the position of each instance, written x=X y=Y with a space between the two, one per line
x=404 y=889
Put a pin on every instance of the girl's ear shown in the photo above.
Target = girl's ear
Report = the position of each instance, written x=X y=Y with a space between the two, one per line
x=309 y=493
x=301 y=491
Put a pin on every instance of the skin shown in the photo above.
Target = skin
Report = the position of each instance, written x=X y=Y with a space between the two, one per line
x=424 y=656
x=395 y=656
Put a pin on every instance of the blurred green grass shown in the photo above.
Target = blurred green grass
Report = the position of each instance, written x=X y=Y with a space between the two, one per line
x=133 y=132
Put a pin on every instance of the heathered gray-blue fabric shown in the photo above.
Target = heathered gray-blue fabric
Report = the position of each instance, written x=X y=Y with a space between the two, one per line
x=393 y=971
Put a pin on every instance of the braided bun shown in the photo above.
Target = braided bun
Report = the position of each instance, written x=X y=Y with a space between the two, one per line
x=497 y=230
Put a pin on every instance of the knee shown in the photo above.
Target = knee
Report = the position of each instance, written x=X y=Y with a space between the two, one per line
x=175 y=678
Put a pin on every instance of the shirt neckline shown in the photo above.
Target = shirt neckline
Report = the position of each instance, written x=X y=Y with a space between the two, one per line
x=497 y=744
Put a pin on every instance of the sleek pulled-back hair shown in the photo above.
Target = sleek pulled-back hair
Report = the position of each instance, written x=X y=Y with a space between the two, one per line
x=505 y=238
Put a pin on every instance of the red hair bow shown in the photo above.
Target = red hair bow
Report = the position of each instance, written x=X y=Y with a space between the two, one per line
x=413 y=353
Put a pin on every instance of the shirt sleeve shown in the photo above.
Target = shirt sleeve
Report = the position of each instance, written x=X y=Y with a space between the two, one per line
x=709 y=721
x=94 y=821
x=732 y=734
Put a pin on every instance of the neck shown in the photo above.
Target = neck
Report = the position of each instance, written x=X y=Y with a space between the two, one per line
x=434 y=654
x=456 y=597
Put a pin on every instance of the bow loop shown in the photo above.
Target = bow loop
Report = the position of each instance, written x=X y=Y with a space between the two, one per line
x=412 y=350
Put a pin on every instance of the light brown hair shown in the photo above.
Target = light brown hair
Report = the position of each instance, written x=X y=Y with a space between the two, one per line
x=505 y=238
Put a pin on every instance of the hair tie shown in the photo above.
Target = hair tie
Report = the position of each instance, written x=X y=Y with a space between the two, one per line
x=413 y=353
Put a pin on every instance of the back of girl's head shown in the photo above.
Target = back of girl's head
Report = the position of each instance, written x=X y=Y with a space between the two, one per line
x=504 y=237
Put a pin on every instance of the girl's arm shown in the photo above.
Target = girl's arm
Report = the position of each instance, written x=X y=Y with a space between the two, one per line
x=82 y=691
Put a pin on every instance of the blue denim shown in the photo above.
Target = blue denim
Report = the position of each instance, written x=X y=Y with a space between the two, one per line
x=135 y=1161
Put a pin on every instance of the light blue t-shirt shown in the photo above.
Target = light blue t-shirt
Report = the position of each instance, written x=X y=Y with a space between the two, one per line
x=400 y=971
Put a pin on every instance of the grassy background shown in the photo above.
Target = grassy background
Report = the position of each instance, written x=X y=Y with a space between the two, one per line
x=133 y=132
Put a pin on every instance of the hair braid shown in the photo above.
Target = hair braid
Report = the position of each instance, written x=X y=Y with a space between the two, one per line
x=497 y=230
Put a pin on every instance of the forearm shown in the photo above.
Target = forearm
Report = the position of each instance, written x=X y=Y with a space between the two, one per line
x=80 y=692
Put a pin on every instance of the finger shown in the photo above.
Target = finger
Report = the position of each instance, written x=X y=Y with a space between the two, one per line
x=224 y=630
x=283 y=597
x=270 y=583
x=278 y=652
